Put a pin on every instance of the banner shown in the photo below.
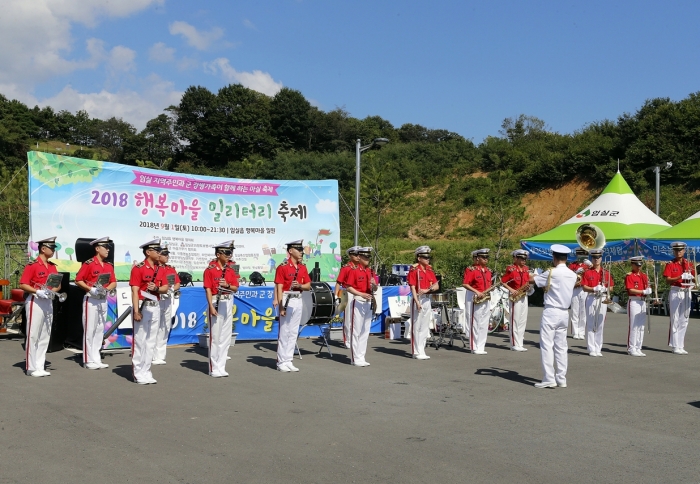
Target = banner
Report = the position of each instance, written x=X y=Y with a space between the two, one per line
x=74 y=198
x=661 y=249
x=253 y=316
x=619 y=250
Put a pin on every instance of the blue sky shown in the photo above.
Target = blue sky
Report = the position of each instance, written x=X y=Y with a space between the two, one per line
x=458 y=65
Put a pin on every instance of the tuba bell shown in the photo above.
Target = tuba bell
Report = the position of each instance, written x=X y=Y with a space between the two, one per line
x=590 y=237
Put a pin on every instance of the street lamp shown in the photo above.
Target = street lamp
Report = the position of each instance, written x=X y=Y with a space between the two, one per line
x=358 y=150
x=657 y=171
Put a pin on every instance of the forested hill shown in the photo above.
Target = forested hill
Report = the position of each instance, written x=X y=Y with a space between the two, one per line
x=425 y=185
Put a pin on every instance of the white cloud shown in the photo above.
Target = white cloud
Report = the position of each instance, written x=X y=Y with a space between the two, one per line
x=200 y=40
x=160 y=52
x=133 y=107
x=36 y=35
x=256 y=80
x=326 y=206
x=247 y=23
x=121 y=59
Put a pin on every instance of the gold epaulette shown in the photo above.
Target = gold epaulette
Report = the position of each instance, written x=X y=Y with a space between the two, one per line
x=510 y=268
x=629 y=273
x=212 y=266
x=89 y=261
x=52 y=263
x=140 y=264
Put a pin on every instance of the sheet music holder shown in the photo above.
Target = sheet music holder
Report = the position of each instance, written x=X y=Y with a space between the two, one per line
x=171 y=279
x=103 y=280
x=54 y=281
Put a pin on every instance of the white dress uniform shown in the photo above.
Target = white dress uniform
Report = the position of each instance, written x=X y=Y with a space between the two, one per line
x=421 y=277
x=480 y=279
x=578 y=305
x=361 y=320
x=559 y=285
x=679 y=298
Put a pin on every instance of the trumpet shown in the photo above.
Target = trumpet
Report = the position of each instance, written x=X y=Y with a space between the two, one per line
x=62 y=296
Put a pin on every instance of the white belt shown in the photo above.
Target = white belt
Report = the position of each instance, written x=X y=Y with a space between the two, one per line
x=678 y=288
x=165 y=296
x=148 y=302
x=636 y=297
x=291 y=294
x=223 y=297
x=549 y=306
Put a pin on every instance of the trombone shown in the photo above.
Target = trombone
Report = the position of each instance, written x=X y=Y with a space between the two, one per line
x=603 y=298
x=62 y=296
x=651 y=301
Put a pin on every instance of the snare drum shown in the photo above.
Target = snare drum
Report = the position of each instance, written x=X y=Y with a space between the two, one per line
x=438 y=298
x=319 y=304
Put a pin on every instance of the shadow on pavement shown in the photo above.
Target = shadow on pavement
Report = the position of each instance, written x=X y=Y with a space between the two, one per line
x=124 y=371
x=507 y=375
x=393 y=351
x=263 y=362
x=196 y=365
x=694 y=404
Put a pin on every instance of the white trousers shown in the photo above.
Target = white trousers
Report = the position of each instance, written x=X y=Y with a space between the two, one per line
x=518 y=321
x=220 y=329
x=553 y=346
x=420 y=324
x=578 y=313
x=679 y=304
x=479 y=325
x=468 y=312
x=595 y=335
x=144 y=340
x=347 y=321
x=637 y=318
x=164 y=326
x=360 y=324
x=94 y=317
x=289 y=331
x=39 y=320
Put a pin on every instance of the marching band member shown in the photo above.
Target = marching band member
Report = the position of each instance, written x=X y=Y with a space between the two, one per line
x=468 y=296
x=680 y=275
x=578 y=301
x=166 y=305
x=145 y=296
x=516 y=280
x=479 y=281
x=637 y=285
x=596 y=282
x=95 y=302
x=422 y=280
x=38 y=307
x=291 y=278
x=340 y=284
x=361 y=283
x=220 y=282
x=558 y=283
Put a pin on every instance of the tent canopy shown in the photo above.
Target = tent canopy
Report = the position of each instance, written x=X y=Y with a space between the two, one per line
x=658 y=246
x=621 y=216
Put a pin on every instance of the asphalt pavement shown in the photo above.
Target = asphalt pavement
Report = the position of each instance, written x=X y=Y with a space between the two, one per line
x=454 y=418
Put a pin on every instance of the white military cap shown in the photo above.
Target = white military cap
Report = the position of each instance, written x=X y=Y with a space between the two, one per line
x=561 y=249
x=225 y=245
x=678 y=245
x=520 y=253
x=581 y=251
x=474 y=252
x=483 y=252
x=101 y=241
x=164 y=250
x=638 y=260
x=423 y=250
x=595 y=252
x=296 y=244
x=353 y=250
x=366 y=251
x=153 y=244
x=48 y=241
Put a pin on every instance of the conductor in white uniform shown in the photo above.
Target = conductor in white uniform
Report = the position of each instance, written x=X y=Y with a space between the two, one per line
x=558 y=284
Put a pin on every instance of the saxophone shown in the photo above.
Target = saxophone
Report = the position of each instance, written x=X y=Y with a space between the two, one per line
x=486 y=295
x=522 y=292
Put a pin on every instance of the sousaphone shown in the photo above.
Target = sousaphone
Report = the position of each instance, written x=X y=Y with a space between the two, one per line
x=590 y=237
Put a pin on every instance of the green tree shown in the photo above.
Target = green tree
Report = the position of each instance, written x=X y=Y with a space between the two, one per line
x=290 y=119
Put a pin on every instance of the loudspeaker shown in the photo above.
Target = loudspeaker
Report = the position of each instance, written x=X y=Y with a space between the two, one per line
x=60 y=326
x=84 y=251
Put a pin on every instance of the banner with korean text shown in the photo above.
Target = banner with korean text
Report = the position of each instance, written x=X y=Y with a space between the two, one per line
x=74 y=198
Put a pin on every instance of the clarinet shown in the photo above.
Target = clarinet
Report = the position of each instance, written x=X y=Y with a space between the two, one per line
x=218 y=290
x=289 y=296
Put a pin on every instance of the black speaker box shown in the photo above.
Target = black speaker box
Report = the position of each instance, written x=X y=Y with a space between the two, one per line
x=84 y=251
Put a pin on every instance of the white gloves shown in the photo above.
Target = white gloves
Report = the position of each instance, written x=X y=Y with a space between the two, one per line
x=588 y=263
x=93 y=291
x=599 y=289
x=538 y=271
x=686 y=276
x=647 y=291
x=580 y=270
x=42 y=293
x=531 y=291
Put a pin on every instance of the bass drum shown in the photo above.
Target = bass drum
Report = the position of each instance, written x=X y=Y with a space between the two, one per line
x=319 y=304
